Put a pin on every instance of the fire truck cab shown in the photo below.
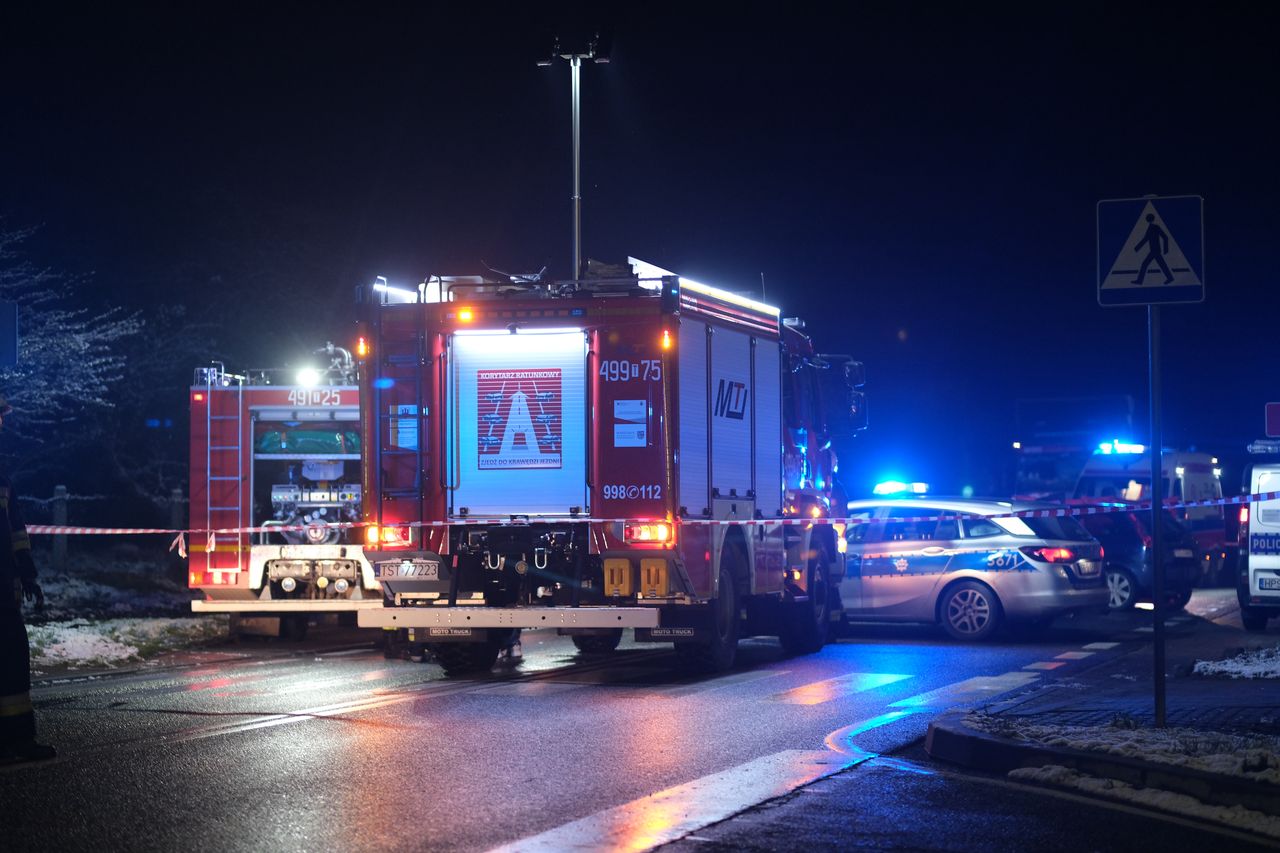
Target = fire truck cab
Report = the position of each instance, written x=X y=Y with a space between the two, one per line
x=276 y=495
x=590 y=456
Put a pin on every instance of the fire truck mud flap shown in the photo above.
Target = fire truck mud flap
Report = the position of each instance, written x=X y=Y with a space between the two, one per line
x=505 y=617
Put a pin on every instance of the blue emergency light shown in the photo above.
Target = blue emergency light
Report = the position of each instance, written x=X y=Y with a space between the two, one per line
x=1116 y=447
x=897 y=487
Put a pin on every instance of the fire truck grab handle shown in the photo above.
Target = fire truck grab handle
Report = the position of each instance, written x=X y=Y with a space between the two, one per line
x=455 y=456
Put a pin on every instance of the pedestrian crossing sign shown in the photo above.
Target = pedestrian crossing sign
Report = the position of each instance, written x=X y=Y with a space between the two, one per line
x=1151 y=250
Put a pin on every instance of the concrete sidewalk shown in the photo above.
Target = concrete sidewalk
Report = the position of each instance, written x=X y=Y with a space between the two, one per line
x=1118 y=695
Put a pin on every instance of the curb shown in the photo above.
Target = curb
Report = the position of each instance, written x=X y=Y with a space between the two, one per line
x=950 y=740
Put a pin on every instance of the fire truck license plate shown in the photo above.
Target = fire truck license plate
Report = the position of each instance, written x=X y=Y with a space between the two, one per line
x=427 y=570
x=420 y=569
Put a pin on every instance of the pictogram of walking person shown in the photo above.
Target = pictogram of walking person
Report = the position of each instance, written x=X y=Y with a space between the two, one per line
x=1157 y=243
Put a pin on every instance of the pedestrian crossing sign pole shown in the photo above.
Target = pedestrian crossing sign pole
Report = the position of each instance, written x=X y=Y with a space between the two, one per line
x=1151 y=252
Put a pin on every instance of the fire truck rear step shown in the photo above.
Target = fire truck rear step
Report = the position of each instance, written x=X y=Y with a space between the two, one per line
x=503 y=617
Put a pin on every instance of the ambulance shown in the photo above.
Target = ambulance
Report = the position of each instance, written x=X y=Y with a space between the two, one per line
x=1123 y=471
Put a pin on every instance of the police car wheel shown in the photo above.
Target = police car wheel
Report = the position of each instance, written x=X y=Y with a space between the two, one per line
x=969 y=610
x=1122 y=589
x=1254 y=620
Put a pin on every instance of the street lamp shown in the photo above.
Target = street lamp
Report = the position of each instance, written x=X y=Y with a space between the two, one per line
x=575 y=66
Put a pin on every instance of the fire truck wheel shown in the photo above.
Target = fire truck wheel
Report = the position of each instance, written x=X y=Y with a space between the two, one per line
x=805 y=623
x=718 y=653
x=465 y=658
x=598 y=644
x=969 y=610
x=294 y=627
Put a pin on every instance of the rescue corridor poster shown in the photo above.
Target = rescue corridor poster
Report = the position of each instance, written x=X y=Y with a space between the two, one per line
x=519 y=418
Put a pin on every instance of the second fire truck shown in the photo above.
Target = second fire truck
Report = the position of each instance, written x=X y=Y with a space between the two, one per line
x=275 y=494
x=590 y=456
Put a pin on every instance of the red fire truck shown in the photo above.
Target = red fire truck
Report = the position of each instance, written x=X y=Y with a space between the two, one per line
x=598 y=455
x=275 y=494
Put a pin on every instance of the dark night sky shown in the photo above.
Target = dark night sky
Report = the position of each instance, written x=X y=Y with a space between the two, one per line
x=917 y=181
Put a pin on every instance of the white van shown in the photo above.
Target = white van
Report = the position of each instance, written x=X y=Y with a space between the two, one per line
x=1123 y=472
x=1258 y=589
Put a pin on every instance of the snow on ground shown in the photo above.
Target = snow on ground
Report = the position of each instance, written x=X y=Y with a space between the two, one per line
x=110 y=583
x=1256 y=663
x=111 y=642
x=112 y=606
x=1253 y=757
x=68 y=596
x=1179 y=804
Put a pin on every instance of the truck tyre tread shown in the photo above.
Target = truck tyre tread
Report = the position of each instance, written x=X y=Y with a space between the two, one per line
x=465 y=658
x=598 y=644
x=805 y=625
x=718 y=653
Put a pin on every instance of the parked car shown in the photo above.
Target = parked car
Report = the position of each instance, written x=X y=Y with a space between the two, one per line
x=967 y=565
x=1125 y=534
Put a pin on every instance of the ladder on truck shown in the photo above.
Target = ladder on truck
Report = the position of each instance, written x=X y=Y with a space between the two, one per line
x=219 y=514
x=403 y=360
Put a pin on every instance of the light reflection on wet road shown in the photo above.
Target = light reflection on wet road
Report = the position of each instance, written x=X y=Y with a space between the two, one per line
x=316 y=751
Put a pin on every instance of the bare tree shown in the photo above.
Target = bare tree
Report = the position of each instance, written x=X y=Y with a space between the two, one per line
x=69 y=356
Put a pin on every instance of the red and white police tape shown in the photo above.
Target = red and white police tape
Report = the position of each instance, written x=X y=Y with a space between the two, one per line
x=1054 y=512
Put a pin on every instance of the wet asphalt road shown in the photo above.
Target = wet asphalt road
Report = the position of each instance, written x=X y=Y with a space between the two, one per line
x=279 y=748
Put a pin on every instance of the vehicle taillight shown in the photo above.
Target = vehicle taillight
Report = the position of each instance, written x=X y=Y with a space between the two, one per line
x=362 y=347
x=646 y=533
x=1050 y=555
x=198 y=396
x=387 y=537
x=1244 y=514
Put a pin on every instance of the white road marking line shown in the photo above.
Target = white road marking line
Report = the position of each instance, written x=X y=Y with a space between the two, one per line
x=1045 y=664
x=1100 y=647
x=667 y=815
x=833 y=688
x=1074 y=656
x=723 y=681
x=841 y=740
x=968 y=690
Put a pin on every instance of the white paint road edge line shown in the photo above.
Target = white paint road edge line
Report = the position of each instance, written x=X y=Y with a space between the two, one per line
x=678 y=811
x=667 y=815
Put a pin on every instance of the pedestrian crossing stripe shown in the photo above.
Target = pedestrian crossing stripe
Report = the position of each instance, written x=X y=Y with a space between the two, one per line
x=834 y=688
x=1150 y=257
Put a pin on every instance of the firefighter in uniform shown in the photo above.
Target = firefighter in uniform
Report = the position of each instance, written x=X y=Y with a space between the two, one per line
x=17 y=582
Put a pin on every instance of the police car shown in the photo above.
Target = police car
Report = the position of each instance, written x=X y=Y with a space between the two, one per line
x=969 y=565
x=1258 y=587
